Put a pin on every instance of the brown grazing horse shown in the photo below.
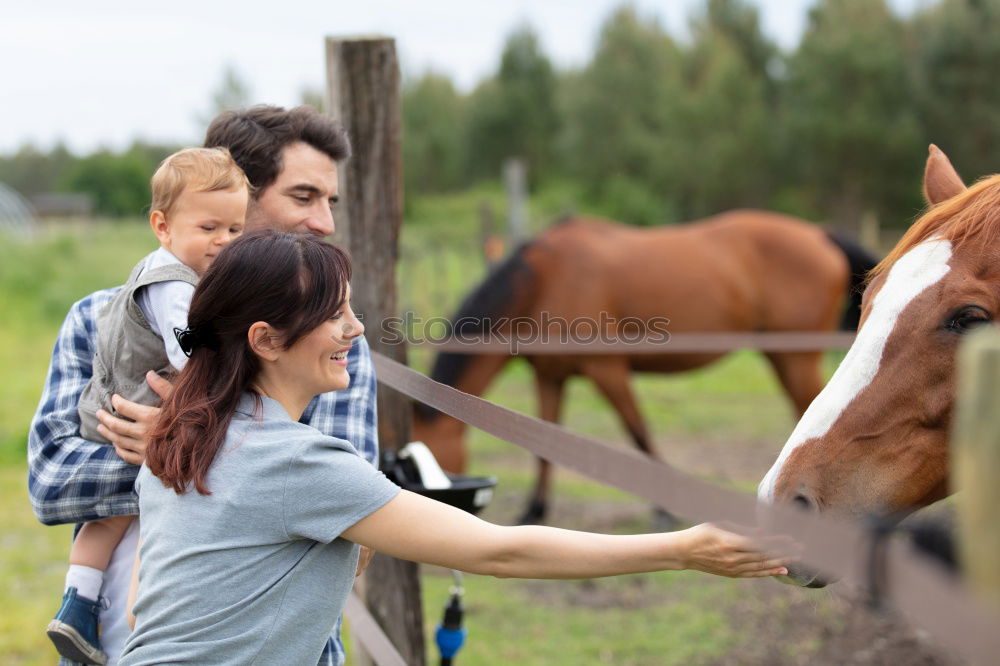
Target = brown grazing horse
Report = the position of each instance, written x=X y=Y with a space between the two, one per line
x=744 y=270
x=875 y=441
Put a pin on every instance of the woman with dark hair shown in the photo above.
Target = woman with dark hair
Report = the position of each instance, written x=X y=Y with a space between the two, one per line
x=251 y=521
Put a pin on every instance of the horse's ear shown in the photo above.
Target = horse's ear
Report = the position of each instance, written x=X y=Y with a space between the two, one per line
x=941 y=181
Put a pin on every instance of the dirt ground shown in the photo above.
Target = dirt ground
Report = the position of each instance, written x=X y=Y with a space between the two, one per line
x=784 y=625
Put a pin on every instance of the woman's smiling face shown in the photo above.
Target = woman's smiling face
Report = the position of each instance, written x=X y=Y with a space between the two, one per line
x=318 y=360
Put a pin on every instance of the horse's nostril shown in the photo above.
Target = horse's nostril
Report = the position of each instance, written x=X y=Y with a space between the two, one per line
x=804 y=502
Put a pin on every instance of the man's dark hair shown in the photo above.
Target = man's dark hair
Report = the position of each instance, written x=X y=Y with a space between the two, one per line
x=255 y=137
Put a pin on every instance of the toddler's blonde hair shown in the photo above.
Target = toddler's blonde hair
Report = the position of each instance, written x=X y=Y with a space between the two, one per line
x=201 y=169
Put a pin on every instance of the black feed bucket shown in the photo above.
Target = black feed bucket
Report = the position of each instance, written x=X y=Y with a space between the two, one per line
x=414 y=469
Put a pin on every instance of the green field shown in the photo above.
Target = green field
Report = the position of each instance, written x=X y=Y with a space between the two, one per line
x=725 y=423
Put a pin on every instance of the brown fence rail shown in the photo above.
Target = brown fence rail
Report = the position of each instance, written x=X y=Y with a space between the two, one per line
x=675 y=343
x=370 y=635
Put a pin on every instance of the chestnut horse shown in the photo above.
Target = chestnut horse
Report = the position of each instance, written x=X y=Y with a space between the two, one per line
x=740 y=271
x=875 y=441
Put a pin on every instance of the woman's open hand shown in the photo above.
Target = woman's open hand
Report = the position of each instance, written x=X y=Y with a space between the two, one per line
x=713 y=550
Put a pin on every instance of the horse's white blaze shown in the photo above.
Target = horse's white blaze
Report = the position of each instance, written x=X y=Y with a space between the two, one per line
x=915 y=271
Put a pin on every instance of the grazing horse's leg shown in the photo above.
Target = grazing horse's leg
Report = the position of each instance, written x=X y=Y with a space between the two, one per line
x=611 y=376
x=612 y=379
x=550 y=398
x=801 y=375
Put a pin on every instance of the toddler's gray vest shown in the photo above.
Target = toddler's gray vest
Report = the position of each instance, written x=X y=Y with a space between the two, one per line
x=127 y=348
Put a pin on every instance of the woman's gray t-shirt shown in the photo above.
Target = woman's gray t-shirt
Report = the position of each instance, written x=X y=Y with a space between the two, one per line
x=256 y=571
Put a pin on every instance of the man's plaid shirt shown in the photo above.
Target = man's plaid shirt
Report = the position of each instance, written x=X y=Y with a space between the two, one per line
x=72 y=480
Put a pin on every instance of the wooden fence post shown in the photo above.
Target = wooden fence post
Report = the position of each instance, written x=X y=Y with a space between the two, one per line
x=871 y=232
x=976 y=462
x=515 y=180
x=363 y=93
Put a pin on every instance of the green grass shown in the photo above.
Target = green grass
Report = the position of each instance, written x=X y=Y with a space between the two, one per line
x=40 y=280
x=581 y=622
x=32 y=569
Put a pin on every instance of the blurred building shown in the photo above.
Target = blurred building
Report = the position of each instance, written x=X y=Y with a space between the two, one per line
x=17 y=215
x=63 y=205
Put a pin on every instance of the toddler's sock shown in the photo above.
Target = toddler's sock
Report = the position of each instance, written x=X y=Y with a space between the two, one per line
x=86 y=580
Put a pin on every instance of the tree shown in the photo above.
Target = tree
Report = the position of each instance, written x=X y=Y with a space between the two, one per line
x=31 y=171
x=314 y=97
x=621 y=138
x=232 y=93
x=959 y=51
x=118 y=183
x=151 y=153
x=850 y=97
x=728 y=112
x=513 y=114
x=433 y=153
x=738 y=22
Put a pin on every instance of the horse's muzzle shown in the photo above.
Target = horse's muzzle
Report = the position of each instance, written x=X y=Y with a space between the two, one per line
x=802 y=577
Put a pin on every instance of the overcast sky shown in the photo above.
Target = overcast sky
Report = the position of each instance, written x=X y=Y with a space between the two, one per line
x=101 y=73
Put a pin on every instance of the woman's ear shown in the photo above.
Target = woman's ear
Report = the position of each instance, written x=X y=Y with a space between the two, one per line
x=264 y=341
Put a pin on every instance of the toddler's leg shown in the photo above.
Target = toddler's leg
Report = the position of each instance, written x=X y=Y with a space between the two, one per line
x=74 y=630
x=96 y=541
x=91 y=553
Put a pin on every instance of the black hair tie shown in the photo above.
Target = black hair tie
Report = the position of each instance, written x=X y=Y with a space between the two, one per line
x=195 y=336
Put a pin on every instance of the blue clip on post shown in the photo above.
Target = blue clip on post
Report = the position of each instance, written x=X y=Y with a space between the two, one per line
x=450 y=634
x=414 y=467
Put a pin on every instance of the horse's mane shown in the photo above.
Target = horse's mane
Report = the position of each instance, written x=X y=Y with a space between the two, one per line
x=972 y=215
x=480 y=311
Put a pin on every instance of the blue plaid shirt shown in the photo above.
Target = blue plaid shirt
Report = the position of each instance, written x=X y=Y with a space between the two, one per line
x=72 y=480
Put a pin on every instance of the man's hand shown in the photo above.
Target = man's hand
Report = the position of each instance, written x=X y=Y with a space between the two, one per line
x=129 y=437
x=364 y=559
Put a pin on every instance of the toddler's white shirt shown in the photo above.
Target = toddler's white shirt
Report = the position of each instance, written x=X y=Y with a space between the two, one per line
x=165 y=306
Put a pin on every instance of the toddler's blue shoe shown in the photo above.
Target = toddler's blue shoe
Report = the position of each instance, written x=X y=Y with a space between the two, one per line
x=74 y=630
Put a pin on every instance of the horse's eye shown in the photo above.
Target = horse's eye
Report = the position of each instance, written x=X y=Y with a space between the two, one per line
x=967 y=318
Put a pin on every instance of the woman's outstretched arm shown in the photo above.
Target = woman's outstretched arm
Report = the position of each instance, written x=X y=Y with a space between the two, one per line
x=413 y=527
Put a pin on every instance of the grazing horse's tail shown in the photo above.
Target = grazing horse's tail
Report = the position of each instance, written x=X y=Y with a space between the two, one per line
x=501 y=295
x=860 y=261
